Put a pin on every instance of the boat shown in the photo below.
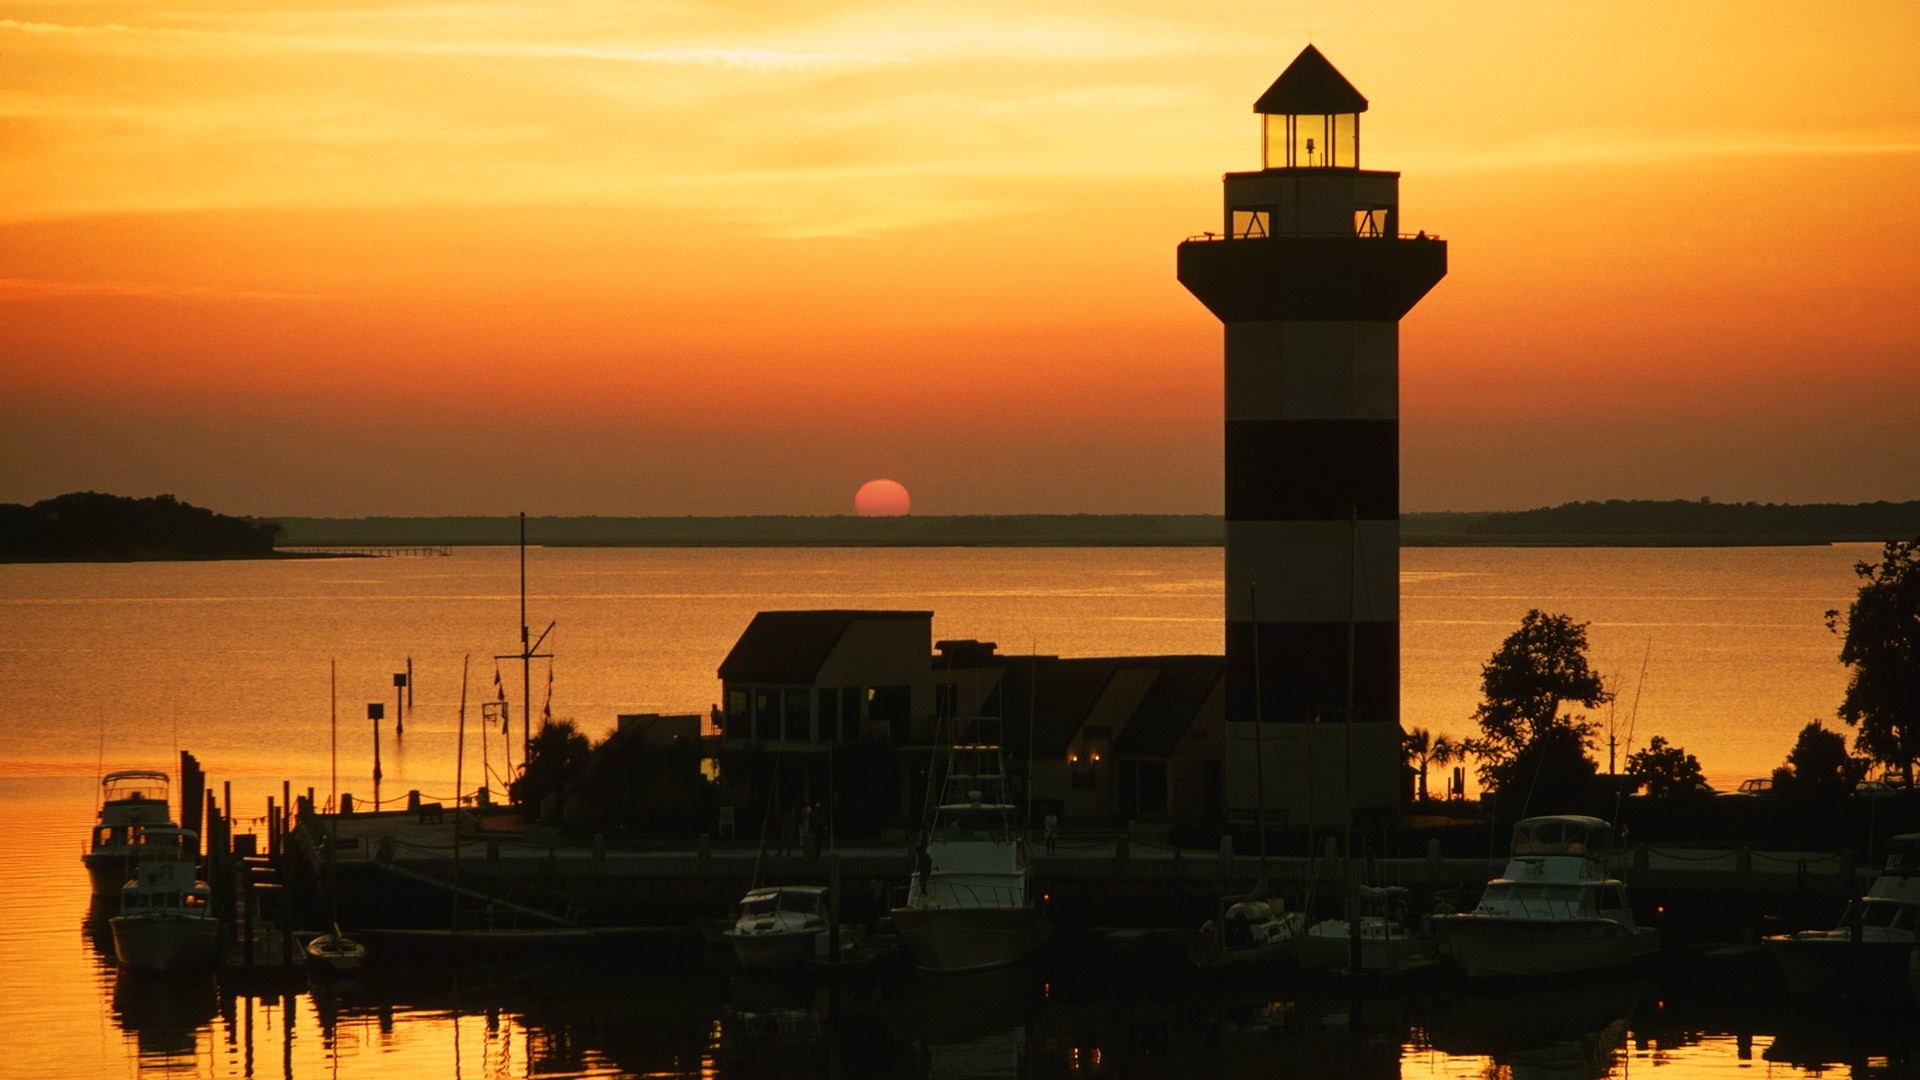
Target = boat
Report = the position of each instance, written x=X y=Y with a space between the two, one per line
x=971 y=903
x=1552 y=912
x=132 y=800
x=1249 y=934
x=1387 y=944
x=335 y=954
x=779 y=926
x=166 y=922
x=1872 y=951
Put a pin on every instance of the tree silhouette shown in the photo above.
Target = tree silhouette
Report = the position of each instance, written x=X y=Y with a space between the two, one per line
x=1818 y=766
x=1882 y=647
x=1666 y=771
x=1538 y=668
x=1424 y=749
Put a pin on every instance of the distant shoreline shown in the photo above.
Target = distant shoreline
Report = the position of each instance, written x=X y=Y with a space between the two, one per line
x=1615 y=524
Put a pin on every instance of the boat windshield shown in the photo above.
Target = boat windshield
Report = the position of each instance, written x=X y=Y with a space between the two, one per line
x=1904 y=860
x=972 y=823
x=804 y=901
x=1561 y=836
x=1887 y=914
x=135 y=785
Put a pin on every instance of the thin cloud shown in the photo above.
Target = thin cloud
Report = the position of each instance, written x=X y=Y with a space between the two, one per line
x=24 y=290
x=728 y=58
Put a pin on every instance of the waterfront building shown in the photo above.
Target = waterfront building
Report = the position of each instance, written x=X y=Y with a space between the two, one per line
x=1310 y=271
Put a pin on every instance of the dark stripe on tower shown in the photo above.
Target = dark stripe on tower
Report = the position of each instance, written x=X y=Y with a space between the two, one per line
x=1303 y=671
x=1313 y=470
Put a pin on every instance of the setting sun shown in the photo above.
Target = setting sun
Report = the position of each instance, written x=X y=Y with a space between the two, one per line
x=882 y=498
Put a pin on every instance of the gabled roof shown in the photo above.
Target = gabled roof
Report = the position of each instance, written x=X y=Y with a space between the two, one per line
x=1163 y=717
x=789 y=647
x=1062 y=694
x=1310 y=85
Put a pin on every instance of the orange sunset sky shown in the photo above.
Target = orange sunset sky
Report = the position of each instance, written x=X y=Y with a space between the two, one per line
x=728 y=258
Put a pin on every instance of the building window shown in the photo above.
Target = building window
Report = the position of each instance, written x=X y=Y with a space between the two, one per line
x=799 y=719
x=829 y=714
x=946 y=700
x=1083 y=777
x=892 y=706
x=1150 y=787
x=1252 y=224
x=850 y=697
x=739 y=713
x=766 y=714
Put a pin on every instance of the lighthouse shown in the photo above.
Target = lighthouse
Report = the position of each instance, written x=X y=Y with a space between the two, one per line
x=1310 y=271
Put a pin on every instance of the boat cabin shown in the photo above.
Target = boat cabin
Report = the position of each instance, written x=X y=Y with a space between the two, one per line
x=798 y=899
x=1562 y=834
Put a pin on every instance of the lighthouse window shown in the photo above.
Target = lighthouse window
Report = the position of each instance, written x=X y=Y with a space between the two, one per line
x=1252 y=224
x=1377 y=222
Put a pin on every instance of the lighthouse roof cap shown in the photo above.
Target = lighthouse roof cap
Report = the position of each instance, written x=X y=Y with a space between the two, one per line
x=1310 y=85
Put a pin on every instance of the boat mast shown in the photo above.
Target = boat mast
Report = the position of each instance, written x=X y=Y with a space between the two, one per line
x=1259 y=751
x=1353 y=899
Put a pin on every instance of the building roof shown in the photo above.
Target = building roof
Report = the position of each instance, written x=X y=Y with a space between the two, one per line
x=789 y=647
x=1062 y=694
x=1310 y=85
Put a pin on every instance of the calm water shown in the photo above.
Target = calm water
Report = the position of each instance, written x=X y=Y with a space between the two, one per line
x=121 y=664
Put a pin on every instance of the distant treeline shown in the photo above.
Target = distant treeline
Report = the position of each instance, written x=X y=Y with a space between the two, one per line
x=1622 y=522
x=1013 y=530
x=104 y=528
x=1612 y=523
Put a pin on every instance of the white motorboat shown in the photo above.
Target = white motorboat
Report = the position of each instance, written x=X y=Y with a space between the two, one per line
x=166 y=922
x=1248 y=935
x=972 y=903
x=1872 y=952
x=1387 y=944
x=779 y=926
x=131 y=801
x=1553 y=912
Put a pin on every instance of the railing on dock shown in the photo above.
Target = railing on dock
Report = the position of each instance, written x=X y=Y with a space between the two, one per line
x=365 y=551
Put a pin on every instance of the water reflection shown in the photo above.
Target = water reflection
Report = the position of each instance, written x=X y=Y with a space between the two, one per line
x=1059 y=1017
x=164 y=1016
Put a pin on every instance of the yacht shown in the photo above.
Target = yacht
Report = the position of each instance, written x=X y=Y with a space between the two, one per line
x=779 y=926
x=1553 y=912
x=131 y=801
x=166 y=922
x=1879 y=960
x=971 y=902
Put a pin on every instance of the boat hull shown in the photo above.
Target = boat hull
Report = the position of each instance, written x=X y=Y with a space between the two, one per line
x=109 y=870
x=953 y=940
x=1494 y=947
x=331 y=954
x=164 y=945
x=1830 y=965
x=761 y=952
x=1320 y=952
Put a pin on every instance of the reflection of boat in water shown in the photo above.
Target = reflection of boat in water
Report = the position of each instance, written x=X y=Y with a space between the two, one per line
x=165 y=1016
x=971 y=903
x=1249 y=935
x=1497 y=1024
x=779 y=925
x=973 y=1024
x=131 y=800
x=166 y=922
x=1554 y=911
x=1872 y=951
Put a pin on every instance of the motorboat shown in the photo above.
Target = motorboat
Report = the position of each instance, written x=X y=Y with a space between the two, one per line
x=1250 y=934
x=971 y=903
x=131 y=800
x=335 y=954
x=1552 y=912
x=1871 y=953
x=779 y=926
x=166 y=922
x=1387 y=943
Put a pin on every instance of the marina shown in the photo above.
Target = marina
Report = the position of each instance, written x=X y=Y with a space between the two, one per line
x=1124 y=900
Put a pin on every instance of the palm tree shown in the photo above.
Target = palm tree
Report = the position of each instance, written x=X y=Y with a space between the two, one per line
x=1424 y=749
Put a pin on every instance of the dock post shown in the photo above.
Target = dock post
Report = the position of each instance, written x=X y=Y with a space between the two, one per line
x=599 y=850
x=703 y=850
x=273 y=833
x=1120 y=852
x=833 y=905
x=1743 y=861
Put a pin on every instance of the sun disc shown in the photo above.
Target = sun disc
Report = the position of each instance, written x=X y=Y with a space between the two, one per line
x=882 y=498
